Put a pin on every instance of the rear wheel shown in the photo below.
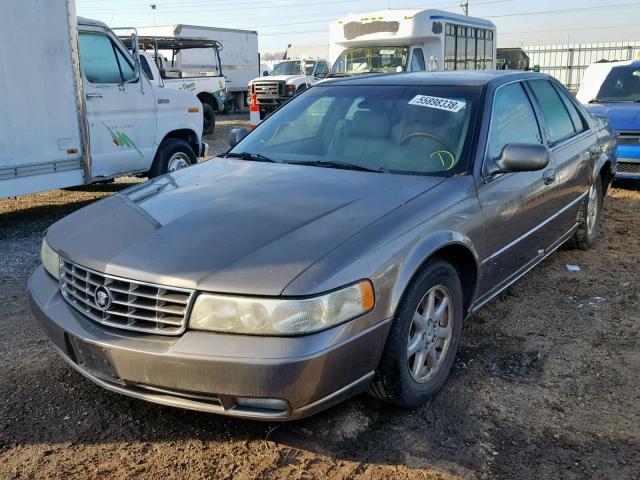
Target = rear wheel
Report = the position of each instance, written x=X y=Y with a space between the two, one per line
x=208 y=119
x=424 y=338
x=173 y=154
x=589 y=227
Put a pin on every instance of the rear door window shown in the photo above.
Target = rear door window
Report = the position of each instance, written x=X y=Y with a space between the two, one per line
x=512 y=120
x=557 y=118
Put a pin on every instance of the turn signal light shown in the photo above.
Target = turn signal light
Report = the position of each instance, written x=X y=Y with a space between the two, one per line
x=194 y=110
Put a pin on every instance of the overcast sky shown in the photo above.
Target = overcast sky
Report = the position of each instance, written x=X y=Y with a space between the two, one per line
x=279 y=22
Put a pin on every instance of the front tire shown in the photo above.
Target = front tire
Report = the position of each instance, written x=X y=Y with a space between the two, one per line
x=588 y=230
x=173 y=154
x=208 y=119
x=424 y=338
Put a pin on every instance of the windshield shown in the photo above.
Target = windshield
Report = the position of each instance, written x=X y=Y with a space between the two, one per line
x=386 y=129
x=293 y=68
x=355 y=61
x=621 y=85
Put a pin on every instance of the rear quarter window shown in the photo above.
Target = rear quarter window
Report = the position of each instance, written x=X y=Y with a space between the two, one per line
x=555 y=113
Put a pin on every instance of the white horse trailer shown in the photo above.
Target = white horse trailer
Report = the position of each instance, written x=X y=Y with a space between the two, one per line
x=390 y=41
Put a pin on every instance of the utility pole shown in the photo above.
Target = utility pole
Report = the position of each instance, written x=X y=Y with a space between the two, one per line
x=465 y=7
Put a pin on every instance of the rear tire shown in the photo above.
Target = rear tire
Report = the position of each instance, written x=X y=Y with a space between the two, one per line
x=424 y=338
x=173 y=154
x=588 y=230
x=208 y=119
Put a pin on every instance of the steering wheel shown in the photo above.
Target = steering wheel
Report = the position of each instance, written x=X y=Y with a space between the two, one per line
x=430 y=135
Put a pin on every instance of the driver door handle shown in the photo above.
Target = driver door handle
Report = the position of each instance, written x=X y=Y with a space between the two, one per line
x=93 y=96
x=549 y=176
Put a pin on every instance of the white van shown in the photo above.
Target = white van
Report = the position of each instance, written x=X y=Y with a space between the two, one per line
x=390 y=41
x=84 y=113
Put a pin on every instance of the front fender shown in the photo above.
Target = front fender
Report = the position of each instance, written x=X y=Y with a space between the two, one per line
x=420 y=253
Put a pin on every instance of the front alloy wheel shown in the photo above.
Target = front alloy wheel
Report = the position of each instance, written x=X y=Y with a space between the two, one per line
x=430 y=334
x=423 y=339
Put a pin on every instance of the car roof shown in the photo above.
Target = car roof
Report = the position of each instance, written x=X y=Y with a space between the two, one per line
x=462 y=78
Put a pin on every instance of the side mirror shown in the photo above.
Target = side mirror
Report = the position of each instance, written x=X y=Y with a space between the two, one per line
x=237 y=134
x=522 y=157
x=321 y=75
x=135 y=47
x=265 y=73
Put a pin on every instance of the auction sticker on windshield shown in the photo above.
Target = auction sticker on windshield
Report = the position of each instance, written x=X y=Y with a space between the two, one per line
x=437 y=102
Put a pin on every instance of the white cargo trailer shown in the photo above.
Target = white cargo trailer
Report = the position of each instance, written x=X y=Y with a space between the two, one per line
x=83 y=112
x=239 y=54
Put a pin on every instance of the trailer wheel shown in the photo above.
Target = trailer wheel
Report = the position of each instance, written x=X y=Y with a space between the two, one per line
x=173 y=154
x=208 y=119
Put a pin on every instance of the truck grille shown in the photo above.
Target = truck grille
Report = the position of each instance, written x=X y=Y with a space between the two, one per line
x=625 y=167
x=126 y=304
x=628 y=138
x=273 y=89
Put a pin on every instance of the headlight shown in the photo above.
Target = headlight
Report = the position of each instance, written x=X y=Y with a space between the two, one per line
x=277 y=316
x=291 y=89
x=50 y=260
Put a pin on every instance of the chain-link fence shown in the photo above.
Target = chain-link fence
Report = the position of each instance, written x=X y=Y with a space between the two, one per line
x=568 y=62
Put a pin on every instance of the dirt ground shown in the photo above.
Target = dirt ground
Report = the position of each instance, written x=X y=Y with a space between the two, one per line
x=545 y=385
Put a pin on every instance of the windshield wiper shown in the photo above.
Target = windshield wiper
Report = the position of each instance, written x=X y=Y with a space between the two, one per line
x=342 y=165
x=254 y=157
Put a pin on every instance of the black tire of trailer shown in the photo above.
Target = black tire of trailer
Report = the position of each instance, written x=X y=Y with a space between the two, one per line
x=167 y=149
x=208 y=119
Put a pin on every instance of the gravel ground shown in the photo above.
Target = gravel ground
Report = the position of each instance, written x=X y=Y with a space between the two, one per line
x=545 y=386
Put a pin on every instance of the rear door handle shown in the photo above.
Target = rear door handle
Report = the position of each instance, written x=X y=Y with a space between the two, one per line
x=549 y=176
x=93 y=96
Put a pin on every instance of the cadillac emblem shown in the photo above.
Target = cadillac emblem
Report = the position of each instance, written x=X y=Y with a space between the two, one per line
x=103 y=298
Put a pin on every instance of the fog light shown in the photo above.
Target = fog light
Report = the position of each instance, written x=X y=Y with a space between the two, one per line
x=262 y=403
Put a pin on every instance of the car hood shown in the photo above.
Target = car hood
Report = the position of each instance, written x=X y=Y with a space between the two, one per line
x=230 y=225
x=623 y=116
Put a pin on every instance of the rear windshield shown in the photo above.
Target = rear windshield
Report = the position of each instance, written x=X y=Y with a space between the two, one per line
x=621 y=85
x=389 y=129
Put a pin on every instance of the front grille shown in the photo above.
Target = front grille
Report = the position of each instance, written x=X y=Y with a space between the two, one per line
x=137 y=306
x=628 y=138
x=624 y=167
x=268 y=88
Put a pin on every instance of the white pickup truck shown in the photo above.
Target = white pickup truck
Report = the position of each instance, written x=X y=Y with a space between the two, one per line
x=87 y=114
x=165 y=62
x=287 y=79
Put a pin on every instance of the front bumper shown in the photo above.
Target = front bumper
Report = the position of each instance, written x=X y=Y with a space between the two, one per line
x=214 y=372
x=203 y=151
x=271 y=103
